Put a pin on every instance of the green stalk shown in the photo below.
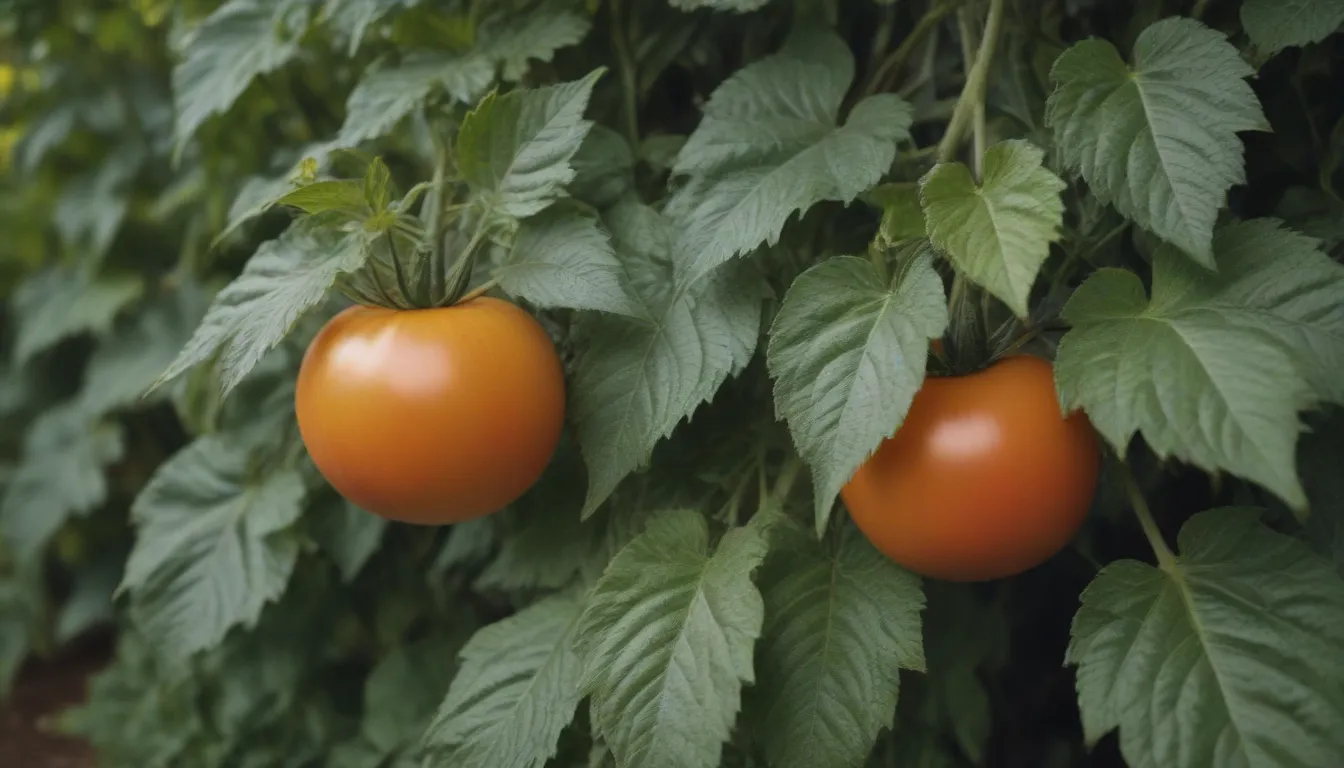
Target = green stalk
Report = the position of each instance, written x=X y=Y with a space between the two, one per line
x=1166 y=559
x=973 y=92
x=923 y=28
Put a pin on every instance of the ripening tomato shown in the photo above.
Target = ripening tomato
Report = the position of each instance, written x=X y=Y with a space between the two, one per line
x=432 y=416
x=984 y=479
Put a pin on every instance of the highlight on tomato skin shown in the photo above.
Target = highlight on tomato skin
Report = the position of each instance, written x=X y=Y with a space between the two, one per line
x=432 y=416
x=985 y=478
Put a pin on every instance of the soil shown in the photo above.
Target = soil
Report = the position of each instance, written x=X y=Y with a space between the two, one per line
x=42 y=690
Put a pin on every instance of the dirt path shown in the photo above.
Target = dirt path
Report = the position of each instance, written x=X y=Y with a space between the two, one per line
x=43 y=689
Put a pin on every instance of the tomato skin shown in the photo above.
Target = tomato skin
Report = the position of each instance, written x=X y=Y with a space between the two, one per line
x=431 y=416
x=984 y=479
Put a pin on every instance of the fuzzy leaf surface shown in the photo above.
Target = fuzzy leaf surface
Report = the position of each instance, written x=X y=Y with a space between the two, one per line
x=348 y=534
x=515 y=149
x=637 y=378
x=847 y=354
x=563 y=259
x=667 y=640
x=1213 y=369
x=842 y=621
x=1242 y=637
x=1277 y=24
x=998 y=233
x=240 y=40
x=214 y=544
x=1158 y=139
x=384 y=96
x=517 y=689
x=771 y=145
x=284 y=279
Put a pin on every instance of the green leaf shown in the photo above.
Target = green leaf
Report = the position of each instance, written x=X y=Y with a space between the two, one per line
x=513 y=42
x=636 y=378
x=1277 y=24
x=770 y=145
x=467 y=543
x=213 y=544
x=998 y=233
x=1208 y=370
x=517 y=689
x=604 y=168
x=544 y=545
x=667 y=640
x=902 y=213
x=61 y=302
x=842 y=620
x=61 y=474
x=1157 y=140
x=1241 y=636
x=348 y=534
x=90 y=600
x=562 y=259
x=384 y=96
x=346 y=195
x=284 y=279
x=847 y=353
x=240 y=40
x=515 y=149
x=125 y=365
x=402 y=692
x=1273 y=279
x=354 y=17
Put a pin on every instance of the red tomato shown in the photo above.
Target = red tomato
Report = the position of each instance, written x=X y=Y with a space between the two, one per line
x=431 y=416
x=983 y=480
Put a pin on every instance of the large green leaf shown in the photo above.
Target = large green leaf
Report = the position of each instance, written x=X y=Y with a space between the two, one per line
x=637 y=378
x=512 y=42
x=354 y=17
x=348 y=534
x=240 y=40
x=563 y=259
x=60 y=302
x=998 y=232
x=515 y=149
x=384 y=96
x=284 y=279
x=60 y=474
x=1230 y=655
x=1214 y=368
x=516 y=691
x=214 y=544
x=402 y=692
x=1158 y=139
x=847 y=353
x=1276 y=24
x=124 y=366
x=770 y=146
x=667 y=640
x=842 y=621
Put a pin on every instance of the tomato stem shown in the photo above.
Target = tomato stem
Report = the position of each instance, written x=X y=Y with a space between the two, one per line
x=478 y=291
x=629 y=79
x=973 y=93
x=923 y=28
x=1166 y=559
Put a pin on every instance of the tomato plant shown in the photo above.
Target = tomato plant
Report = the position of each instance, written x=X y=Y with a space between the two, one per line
x=661 y=320
x=1010 y=478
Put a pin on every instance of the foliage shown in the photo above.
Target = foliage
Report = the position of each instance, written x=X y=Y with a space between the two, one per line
x=744 y=223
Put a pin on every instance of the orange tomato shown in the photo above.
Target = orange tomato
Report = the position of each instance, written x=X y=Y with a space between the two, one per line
x=984 y=479
x=431 y=416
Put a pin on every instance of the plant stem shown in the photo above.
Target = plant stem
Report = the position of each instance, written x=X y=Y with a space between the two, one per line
x=879 y=259
x=1166 y=559
x=978 y=116
x=402 y=285
x=625 y=63
x=433 y=215
x=1198 y=11
x=478 y=291
x=973 y=92
x=923 y=28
